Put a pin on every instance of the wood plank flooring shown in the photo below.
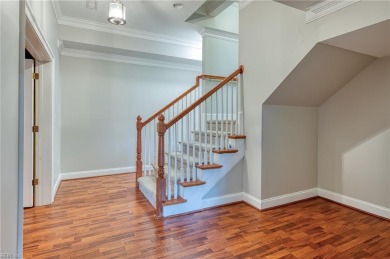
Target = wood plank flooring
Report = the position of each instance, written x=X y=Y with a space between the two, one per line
x=106 y=217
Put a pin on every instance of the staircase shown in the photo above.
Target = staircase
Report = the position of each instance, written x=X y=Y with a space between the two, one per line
x=187 y=147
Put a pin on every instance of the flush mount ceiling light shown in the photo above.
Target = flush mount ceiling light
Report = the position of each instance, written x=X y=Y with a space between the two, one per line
x=116 y=13
x=178 y=5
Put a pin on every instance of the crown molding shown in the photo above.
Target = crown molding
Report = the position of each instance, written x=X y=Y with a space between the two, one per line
x=57 y=9
x=244 y=3
x=126 y=59
x=321 y=9
x=108 y=28
x=219 y=34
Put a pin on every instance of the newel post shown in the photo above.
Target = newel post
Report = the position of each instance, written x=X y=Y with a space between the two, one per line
x=160 y=181
x=139 y=150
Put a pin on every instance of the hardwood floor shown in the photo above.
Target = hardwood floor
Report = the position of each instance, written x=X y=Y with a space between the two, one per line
x=105 y=217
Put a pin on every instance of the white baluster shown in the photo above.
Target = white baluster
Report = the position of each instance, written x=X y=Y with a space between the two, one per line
x=211 y=131
x=236 y=125
x=199 y=131
x=169 y=189
x=206 y=158
x=222 y=142
x=144 y=149
x=193 y=144
x=216 y=122
x=226 y=119
x=188 y=147
x=181 y=149
x=176 y=171
x=231 y=107
x=150 y=147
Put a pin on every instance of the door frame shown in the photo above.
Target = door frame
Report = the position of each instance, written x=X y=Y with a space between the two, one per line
x=45 y=63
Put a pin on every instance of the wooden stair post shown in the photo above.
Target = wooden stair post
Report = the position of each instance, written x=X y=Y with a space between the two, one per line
x=161 y=181
x=139 y=126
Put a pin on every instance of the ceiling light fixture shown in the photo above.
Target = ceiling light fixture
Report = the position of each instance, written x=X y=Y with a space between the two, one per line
x=178 y=5
x=116 y=13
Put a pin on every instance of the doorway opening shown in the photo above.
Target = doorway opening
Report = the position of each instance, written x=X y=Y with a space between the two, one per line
x=31 y=130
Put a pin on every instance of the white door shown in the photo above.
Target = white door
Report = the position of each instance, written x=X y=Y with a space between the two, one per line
x=28 y=193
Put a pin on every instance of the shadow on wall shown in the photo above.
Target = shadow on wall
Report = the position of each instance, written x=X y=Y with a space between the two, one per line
x=368 y=164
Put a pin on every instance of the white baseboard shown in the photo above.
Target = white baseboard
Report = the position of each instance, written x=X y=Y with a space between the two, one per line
x=355 y=203
x=101 y=172
x=251 y=200
x=288 y=198
x=55 y=188
x=220 y=200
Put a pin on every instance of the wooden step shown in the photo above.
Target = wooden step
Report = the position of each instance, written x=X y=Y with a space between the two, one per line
x=191 y=183
x=174 y=201
x=225 y=151
x=208 y=167
x=237 y=136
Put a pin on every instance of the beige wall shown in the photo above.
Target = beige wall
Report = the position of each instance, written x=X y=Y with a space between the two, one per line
x=289 y=150
x=354 y=137
x=9 y=15
x=100 y=103
x=273 y=39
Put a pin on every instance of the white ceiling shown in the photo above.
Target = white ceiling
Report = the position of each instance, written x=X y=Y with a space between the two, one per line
x=299 y=4
x=324 y=71
x=158 y=17
x=373 y=40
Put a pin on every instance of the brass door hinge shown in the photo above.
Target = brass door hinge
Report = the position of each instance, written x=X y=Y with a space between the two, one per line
x=35 y=129
x=35 y=76
x=35 y=182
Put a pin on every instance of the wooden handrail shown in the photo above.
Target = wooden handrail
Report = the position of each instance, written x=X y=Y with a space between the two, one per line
x=178 y=117
x=169 y=105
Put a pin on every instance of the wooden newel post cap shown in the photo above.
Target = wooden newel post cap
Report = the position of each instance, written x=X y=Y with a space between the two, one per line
x=161 y=118
x=241 y=69
x=139 y=118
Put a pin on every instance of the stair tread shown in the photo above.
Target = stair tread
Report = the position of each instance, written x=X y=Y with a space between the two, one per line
x=197 y=145
x=213 y=132
x=174 y=201
x=209 y=166
x=192 y=183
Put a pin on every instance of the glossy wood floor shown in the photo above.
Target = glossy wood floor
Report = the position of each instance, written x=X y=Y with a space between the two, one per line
x=105 y=217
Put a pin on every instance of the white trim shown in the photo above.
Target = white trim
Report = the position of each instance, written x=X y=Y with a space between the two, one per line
x=100 y=172
x=37 y=29
x=321 y=9
x=244 y=3
x=355 y=203
x=288 y=198
x=56 y=186
x=218 y=34
x=220 y=200
x=251 y=200
x=112 y=29
x=127 y=59
x=57 y=9
x=45 y=152
x=0 y=118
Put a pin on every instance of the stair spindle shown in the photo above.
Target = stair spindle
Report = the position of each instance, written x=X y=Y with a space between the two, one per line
x=222 y=142
x=231 y=107
x=211 y=131
x=175 y=172
x=226 y=120
x=181 y=148
x=169 y=189
x=188 y=148
x=206 y=159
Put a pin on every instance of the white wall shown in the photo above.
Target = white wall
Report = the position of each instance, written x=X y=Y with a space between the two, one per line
x=9 y=15
x=354 y=142
x=289 y=150
x=219 y=52
x=273 y=39
x=100 y=103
